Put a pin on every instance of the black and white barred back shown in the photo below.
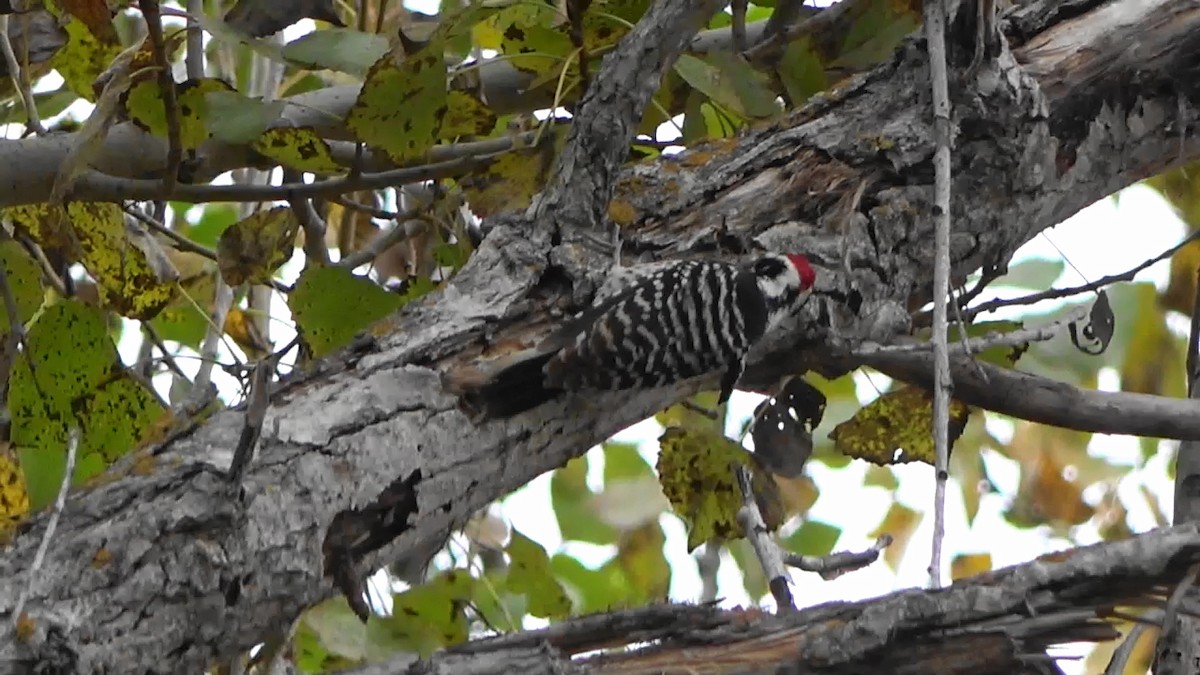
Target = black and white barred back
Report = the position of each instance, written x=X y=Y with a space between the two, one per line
x=683 y=320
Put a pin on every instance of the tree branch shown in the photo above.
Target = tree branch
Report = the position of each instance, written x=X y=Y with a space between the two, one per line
x=577 y=196
x=1040 y=399
x=986 y=625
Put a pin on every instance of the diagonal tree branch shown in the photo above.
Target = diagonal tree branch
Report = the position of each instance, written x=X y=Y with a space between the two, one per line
x=576 y=199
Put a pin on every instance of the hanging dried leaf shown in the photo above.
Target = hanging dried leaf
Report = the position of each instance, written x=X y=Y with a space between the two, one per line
x=783 y=431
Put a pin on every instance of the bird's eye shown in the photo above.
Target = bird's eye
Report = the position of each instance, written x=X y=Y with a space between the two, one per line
x=768 y=267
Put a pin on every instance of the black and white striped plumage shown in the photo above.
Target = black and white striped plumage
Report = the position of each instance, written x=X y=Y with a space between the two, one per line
x=684 y=320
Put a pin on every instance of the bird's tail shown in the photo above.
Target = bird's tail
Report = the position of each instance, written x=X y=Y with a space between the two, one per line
x=513 y=390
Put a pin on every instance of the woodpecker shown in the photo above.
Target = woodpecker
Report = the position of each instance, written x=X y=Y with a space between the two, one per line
x=683 y=320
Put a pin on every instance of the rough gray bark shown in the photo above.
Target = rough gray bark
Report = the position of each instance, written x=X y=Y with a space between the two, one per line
x=165 y=572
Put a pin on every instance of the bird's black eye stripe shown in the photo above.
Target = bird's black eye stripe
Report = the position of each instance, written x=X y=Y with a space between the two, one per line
x=768 y=267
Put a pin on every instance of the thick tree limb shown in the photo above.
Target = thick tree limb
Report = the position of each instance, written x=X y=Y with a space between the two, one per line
x=994 y=623
x=165 y=571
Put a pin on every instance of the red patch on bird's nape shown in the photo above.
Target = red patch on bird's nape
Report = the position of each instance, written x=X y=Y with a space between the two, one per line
x=808 y=275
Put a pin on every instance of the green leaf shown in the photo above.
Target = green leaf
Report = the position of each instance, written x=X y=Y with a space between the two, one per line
x=801 y=71
x=76 y=378
x=571 y=501
x=424 y=618
x=729 y=81
x=331 y=305
x=336 y=629
x=234 y=118
x=24 y=278
x=895 y=428
x=1035 y=274
x=530 y=574
x=400 y=107
x=813 y=538
x=623 y=461
x=341 y=49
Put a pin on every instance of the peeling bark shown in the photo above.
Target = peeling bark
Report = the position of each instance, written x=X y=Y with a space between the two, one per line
x=166 y=570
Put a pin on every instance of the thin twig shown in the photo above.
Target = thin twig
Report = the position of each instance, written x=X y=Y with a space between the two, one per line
x=769 y=556
x=48 y=271
x=935 y=28
x=835 y=565
x=1123 y=652
x=20 y=80
x=1014 y=338
x=166 y=82
x=374 y=212
x=194 y=59
x=59 y=504
x=315 y=249
x=738 y=8
x=1059 y=293
x=256 y=412
x=383 y=242
x=222 y=302
x=95 y=185
x=167 y=357
x=181 y=242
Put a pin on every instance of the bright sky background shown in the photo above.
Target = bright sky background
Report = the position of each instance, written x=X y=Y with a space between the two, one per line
x=1105 y=238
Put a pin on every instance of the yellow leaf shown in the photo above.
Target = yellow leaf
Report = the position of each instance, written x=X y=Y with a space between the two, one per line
x=14 y=497
x=146 y=108
x=298 y=148
x=900 y=523
x=400 y=107
x=509 y=182
x=696 y=470
x=134 y=276
x=252 y=249
x=896 y=428
x=968 y=565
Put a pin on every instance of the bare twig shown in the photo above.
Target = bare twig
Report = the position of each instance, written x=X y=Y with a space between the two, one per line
x=935 y=33
x=194 y=59
x=373 y=211
x=835 y=565
x=1121 y=655
x=708 y=565
x=1058 y=293
x=315 y=249
x=167 y=357
x=59 y=504
x=20 y=79
x=1014 y=338
x=738 y=8
x=222 y=302
x=399 y=232
x=181 y=242
x=256 y=412
x=97 y=185
x=166 y=83
x=48 y=271
x=768 y=553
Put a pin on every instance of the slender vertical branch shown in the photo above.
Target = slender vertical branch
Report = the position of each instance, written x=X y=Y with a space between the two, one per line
x=935 y=35
x=195 y=41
